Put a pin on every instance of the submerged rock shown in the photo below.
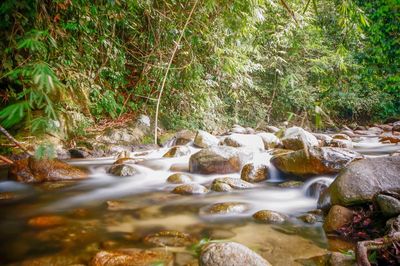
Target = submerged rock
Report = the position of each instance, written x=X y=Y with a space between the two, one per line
x=270 y=217
x=228 y=254
x=46 y=221
x=190 y=189
x=218 y=160
x=296 y=138
x=53 y=260
x=225 y=208
x=31 y=170
x=132 y=257
x=362 y=179
x=325 y=160
x=169 y=238
x=254 y=173
x=177 y=151
x=204 y=139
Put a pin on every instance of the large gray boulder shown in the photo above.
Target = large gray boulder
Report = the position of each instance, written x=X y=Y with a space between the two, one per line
x=218 y=160
x=315 y=161
x=296 y=138
x=361 y=180
x=229 y=254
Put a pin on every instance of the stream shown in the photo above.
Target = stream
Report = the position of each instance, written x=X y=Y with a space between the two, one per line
x=108 y=212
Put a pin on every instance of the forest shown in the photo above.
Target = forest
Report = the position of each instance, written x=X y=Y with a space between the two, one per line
x=200 y=132
x=243 y=62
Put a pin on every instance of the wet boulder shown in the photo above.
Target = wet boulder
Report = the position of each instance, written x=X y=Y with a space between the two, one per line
x=269 y=217
x=388 y=204
x=270 y=140
x=204 y=139
x=230 y=253
x=190 y=189
x=218 y=160
x=131 y=257
x=177 y=151
x=122 y=170
x=362 y=179
x=31 y=170
x=315 y=161
x=244 y=140
x=179 y=178
x=337 y=217
x=183 y=137
x=296 y=138
x=254 y=173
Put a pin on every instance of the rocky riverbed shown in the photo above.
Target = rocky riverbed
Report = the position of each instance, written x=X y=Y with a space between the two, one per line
x=246 y=197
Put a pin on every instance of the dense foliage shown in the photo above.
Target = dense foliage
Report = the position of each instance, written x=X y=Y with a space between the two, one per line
x=74 y=62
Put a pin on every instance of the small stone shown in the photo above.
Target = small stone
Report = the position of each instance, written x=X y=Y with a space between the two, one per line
x=308 y=218
x=190 y=189
x=224 y=184
x=270 y=217
x=179 y=178
x=221 y=187
x=169 y=238
x=254 y=173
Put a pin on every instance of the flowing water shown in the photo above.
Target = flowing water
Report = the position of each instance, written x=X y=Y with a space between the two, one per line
x=106 y=212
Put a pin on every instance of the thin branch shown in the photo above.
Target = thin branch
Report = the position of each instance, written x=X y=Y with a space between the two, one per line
x=12 y=139
x=167 y=71
x=6 y=160
x=285 y=5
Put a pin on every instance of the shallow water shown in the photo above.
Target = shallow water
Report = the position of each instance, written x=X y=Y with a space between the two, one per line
x=105 y=212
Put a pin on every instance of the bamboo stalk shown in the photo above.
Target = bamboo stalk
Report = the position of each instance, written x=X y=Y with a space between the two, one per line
x=167 y=71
